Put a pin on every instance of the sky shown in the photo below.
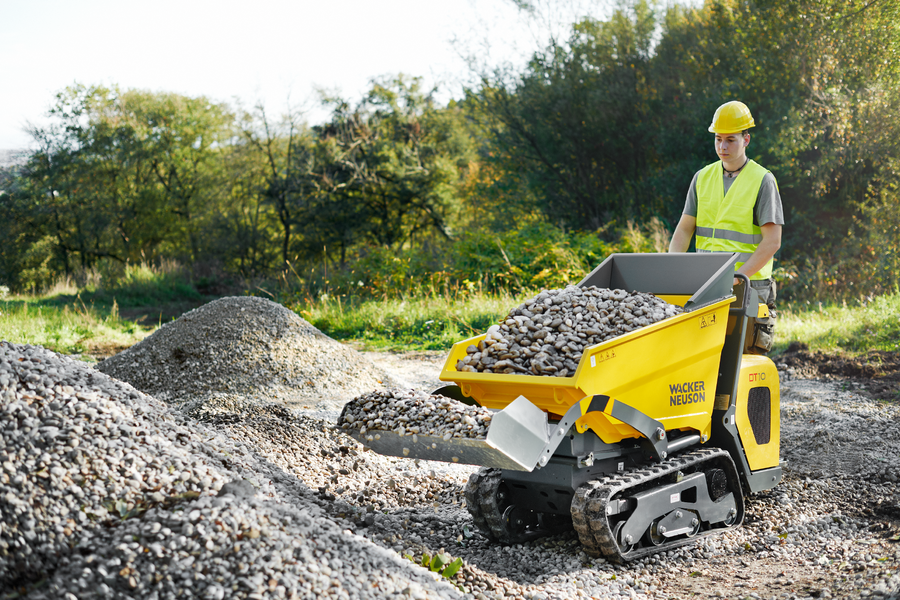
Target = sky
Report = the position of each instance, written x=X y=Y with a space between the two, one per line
x=273 y=52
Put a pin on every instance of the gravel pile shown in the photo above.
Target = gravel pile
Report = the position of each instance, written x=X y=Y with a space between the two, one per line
x=547 y=334
x=239 y=350
x=108 y=493
x=411 y=412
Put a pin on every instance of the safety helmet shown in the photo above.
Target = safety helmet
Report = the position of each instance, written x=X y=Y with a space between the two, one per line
x=732 y=117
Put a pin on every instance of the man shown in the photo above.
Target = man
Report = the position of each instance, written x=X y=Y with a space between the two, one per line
x=733 y=205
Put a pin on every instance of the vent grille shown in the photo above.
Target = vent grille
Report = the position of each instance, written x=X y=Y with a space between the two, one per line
x=759 y=410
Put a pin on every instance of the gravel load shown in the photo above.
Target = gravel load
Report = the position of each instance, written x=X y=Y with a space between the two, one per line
x=547 y=334
x=107 y=493
x=412 y=412
x=223 y=353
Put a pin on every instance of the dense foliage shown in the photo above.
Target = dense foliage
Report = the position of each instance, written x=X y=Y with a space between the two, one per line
x=528 y=181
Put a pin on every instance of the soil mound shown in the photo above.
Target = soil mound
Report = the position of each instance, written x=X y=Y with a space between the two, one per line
x=875 y=374
x=237 y=350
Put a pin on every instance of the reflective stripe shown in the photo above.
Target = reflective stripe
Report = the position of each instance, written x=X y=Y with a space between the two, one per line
x=726 y=234
x=742 y=256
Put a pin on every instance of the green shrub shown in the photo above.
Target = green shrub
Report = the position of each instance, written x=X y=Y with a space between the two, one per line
x=530 y=257
x=35 y=266
x=533 y=256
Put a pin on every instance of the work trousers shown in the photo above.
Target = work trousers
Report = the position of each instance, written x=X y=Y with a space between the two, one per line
x=761 y=331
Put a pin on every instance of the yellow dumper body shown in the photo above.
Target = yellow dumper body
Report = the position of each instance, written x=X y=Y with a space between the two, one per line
x=679 y=395
x=666 y=370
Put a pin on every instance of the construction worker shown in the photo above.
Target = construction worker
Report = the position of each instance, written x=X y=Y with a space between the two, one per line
x=733 y=205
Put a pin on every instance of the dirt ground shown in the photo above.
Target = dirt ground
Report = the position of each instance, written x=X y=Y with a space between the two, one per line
x=875 y=375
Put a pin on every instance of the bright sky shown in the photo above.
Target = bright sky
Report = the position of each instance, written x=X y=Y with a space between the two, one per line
x=273 y=51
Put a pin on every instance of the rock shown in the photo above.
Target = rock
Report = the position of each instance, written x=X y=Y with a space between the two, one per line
x=239 y=488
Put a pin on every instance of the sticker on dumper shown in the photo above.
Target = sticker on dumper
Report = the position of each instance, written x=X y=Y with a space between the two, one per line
x=602 y=357
x=676 y=497
x=707 y=321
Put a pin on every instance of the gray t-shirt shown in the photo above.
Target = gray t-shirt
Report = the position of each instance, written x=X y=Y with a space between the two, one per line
x=768 y=202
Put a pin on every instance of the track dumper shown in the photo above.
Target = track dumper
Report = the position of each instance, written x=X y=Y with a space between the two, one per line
x=651 y=444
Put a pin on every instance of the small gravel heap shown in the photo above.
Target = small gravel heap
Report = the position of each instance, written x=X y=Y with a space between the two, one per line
x=412 y=412
x=239 y=349
x=547 y=334
x=107 y=493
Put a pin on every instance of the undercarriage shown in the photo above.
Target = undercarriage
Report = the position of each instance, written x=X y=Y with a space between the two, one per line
x=620 y=516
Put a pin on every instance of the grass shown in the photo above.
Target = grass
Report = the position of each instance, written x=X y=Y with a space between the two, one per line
x=134 y=286
x=427 y=323
x=101 y=319
x=104 y=314
x=851 y=329
x=67 y=328
x=436 y=323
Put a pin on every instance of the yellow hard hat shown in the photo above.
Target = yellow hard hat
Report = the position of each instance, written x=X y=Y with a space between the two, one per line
x=732 y=117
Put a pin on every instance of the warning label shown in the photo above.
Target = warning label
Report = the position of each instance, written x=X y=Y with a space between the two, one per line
x=707 y=321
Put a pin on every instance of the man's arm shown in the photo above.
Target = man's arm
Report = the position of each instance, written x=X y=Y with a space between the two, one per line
x=771 y=242
x=684 y=231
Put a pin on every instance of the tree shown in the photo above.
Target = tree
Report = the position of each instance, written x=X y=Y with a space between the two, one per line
x=182 y=139
x=285 y=151
x=389 y=170
x=611 y=124
x=821 y=78
x=575 y=124
x=126 y=176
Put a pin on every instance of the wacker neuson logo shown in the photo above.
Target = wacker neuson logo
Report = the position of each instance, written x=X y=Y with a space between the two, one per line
x=689 y=392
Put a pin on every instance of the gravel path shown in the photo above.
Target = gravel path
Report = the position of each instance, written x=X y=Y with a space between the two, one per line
x=106 y=492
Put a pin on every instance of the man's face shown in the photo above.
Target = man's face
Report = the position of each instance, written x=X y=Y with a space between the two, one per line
x=731 y=147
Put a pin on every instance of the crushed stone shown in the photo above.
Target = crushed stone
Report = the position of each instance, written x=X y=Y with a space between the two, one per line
x=411 y=412
x=106 y=492
x=241 y=350
x=241 y=496
x=546 y=335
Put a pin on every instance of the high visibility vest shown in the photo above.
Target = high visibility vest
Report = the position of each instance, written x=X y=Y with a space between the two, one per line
x=725 y=221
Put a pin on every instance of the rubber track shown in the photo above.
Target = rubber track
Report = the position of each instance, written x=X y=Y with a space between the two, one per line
x=591 y=499
x=483 y=505
x=481 y=499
